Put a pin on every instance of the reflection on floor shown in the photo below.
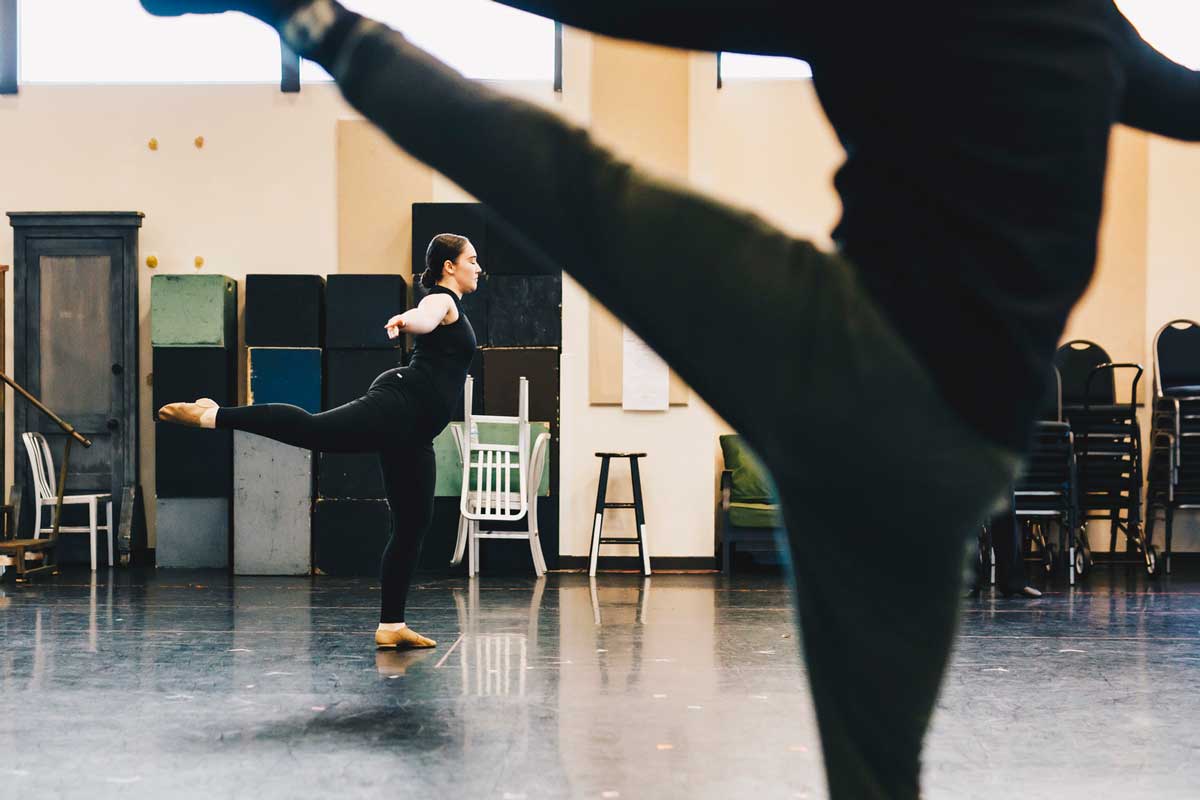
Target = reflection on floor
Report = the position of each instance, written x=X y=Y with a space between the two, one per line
x=198 y=685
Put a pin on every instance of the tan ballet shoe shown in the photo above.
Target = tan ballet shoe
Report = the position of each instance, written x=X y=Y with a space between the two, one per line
x=190 y=414
x=403 y=639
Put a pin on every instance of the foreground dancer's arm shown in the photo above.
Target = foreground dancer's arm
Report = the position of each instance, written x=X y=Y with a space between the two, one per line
x=744 y=26
x=600 y=218
x=1162 y=96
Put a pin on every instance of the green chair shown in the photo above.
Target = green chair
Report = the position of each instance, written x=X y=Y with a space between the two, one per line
x=750 y=513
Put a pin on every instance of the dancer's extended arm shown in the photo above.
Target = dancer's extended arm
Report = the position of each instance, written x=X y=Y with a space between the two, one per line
x=1161 y=96
x=418 y=321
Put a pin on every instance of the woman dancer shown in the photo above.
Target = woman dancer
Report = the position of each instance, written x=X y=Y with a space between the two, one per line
x=398 y=418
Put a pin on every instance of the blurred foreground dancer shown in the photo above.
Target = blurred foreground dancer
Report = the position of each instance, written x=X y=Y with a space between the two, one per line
x=889 y=386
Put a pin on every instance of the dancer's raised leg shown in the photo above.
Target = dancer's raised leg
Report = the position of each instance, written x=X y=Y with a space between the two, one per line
x=366 y=425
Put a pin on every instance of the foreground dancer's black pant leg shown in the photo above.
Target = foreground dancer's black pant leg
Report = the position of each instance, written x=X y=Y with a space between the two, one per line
x=390 y=421
x=881 y=481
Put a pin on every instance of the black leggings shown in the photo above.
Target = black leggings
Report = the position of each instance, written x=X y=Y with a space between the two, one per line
x=391 y=419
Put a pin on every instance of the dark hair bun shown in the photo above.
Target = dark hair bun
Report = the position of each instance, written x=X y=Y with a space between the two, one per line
x=442 y=248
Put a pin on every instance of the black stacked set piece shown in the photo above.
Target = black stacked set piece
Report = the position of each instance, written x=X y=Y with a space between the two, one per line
x=351 y=515
x=194 y=344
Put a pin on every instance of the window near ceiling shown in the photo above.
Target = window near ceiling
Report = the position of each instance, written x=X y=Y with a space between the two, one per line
x=117 y=41
x=479 y=38
x=739 y=65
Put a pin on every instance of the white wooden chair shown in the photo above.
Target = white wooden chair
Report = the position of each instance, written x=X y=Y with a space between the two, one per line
x=488 y=472
x=45 y=487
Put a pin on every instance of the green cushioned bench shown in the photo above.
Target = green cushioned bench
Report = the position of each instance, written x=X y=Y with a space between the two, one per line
x=749 y=513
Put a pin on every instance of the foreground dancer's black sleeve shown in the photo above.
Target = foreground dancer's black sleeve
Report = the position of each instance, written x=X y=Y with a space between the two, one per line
x=750 y=26
x=593 y=214
x=1161 y=96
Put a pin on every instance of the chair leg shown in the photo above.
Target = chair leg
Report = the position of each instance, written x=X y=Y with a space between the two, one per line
x=1168 y=532
x=111 y=535
x=727 y=557
x=640 y=513
x=598 y=520
x=460 y=544
x=472 y=549
x=534 y=551
x=93 y=523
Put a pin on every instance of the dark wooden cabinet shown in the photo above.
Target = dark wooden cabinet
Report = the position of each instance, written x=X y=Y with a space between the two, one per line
x=75 y=346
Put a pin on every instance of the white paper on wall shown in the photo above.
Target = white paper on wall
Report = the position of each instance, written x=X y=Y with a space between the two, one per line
x=646 y=380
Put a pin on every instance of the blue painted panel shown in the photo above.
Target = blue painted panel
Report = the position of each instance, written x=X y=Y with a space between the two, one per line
x=285 y=375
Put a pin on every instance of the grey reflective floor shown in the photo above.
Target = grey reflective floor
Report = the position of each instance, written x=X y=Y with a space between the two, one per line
x=199 y=685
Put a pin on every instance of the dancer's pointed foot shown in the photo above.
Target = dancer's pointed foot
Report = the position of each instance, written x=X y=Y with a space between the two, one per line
x=402 y=639
x=200 y=414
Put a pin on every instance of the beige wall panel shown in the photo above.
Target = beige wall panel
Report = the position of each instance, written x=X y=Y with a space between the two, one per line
x=377 y=185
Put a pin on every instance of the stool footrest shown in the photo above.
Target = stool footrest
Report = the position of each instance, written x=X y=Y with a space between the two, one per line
x=623 y=540
x=620 y=505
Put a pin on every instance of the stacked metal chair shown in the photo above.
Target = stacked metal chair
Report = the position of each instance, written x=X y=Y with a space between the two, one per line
x=1173 y=477
x=1045 y=490
x=1108 y=450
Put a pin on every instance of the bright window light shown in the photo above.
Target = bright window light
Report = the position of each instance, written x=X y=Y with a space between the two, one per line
x=1169 y=25
x=479 y=38
x=116 y=41
x=739 y=65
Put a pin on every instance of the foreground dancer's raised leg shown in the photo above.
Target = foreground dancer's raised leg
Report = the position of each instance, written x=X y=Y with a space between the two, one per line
x=883 y=580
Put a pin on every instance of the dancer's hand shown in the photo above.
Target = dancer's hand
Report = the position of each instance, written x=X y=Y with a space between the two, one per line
x=395 y=325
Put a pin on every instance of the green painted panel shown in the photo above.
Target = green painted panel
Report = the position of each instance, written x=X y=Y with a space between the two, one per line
x=193 y=311
x=449 y=467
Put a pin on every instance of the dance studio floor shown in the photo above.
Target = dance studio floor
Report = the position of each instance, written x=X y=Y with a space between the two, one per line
x=685 y=686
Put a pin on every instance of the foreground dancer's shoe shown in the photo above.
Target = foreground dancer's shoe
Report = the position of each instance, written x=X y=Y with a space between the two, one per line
x=402 y=639
x=200 y=414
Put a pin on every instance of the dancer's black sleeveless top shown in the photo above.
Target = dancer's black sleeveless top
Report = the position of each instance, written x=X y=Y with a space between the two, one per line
x=443 y=356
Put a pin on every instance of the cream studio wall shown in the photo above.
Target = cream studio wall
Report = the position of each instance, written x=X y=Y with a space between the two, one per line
x=273 y=191
x=261 y=196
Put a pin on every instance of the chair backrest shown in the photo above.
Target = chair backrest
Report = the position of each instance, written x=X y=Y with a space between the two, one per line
x=488 y=467
x=537 y=458
x=1176 y=356
x=1046 y=481
x=1076 y=360
x=1052 y=403
x=41 y=465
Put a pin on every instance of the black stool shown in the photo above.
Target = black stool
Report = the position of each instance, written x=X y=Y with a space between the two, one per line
x=640 y=538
